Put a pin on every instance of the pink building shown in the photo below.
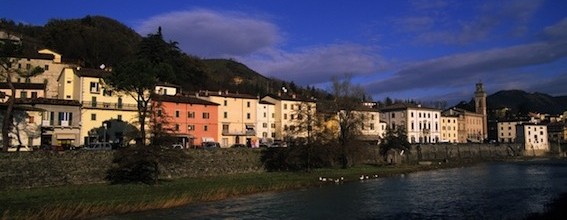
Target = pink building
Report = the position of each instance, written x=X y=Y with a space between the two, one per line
x=190 y=119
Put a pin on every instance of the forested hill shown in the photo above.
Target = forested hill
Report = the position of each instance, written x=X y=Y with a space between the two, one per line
x=95 y=40
x=523 y=102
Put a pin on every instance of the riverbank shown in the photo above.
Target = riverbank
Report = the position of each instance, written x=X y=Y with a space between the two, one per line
x=86 y=201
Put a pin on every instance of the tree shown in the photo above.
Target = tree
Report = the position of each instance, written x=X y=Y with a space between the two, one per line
x=347 y=99
x=139 y=76
x=394 y=139
x=9 y=50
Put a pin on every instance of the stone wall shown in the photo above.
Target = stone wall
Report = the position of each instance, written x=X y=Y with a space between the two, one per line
x=462 y=151
x=41 y=169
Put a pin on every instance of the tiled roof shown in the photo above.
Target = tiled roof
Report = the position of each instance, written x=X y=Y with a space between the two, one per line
x=37 y=86
x=226 y=94
x=88 y=72
x=290 y=98
x=405 y=106
x=182 y=99
x=48 y=101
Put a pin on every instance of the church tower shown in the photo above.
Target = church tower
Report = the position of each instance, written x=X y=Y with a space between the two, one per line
x=480 y=107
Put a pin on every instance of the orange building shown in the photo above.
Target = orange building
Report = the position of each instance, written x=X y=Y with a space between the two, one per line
x=190 y=119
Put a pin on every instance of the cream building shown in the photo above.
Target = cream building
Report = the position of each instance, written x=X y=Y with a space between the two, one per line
x=266 y=122
x=507 y=131
x=449 y=131
x=100 y=104
x=534 y=139
x=237 y=116
x=371 y=128
x=294 y=117
x=422 y=124
x=470 y=125
x=52 y=64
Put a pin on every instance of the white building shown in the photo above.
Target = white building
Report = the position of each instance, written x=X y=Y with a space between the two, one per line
x=265 y=122
x=534 y=139
x=422 y=124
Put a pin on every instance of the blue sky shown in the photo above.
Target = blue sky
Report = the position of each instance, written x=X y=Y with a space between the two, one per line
x=418 y=49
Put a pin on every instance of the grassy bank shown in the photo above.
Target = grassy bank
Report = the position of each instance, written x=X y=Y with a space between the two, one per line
x=84 y=201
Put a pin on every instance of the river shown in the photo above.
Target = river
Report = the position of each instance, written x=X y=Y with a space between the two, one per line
x=495 y=190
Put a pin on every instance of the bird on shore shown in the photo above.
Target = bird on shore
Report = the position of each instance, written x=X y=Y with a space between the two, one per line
x=322 y=179
x=375 y=176
x=361 y=177
x=342 y=178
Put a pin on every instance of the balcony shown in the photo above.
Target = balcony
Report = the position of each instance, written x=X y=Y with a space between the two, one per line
x=111 y=106
x=239 y=132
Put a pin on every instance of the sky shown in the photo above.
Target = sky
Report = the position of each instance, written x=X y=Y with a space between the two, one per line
x=426 y=50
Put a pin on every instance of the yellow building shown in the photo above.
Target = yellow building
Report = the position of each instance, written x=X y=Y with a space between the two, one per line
x=470 y=125
x=100 y=104
x=449 y=131
x=236 y=115
x=292 y=116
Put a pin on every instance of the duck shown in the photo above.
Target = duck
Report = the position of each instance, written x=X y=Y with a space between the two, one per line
x=361 y=177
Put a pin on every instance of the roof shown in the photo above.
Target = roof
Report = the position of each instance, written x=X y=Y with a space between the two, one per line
x=405 y=106
x=226 y=94
x=458 y=111
x=286 y=97
x=182 y=99
x=47 y=101
x=265 y=102
x=88 y=72
x=36 y=86
x=21 y=108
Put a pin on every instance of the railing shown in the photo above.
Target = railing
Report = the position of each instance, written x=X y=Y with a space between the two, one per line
x=239 y=132
x=108 y=105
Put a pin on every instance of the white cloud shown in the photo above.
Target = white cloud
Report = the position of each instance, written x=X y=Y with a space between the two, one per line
x=214 y=34
x=316 y=64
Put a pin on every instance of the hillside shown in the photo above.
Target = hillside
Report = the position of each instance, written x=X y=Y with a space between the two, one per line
x=522 y=102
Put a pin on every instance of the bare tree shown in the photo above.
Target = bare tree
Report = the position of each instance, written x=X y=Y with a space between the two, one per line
x=347 y=99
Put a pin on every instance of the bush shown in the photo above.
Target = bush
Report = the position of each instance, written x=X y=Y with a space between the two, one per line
x=140 y=164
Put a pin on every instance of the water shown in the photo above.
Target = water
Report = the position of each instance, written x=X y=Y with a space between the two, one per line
x=500 y=190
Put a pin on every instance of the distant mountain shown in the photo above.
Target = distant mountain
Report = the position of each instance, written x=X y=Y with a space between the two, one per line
x=522 y=102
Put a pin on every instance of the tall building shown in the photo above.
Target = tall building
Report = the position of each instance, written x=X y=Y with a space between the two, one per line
x=480 y=108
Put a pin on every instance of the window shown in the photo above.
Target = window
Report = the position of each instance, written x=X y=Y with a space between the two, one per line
x=393 y=115
x=65 y=118
x=190 y=114
x=225 y=102
x=28 y=66
x=19 y=65
x=248 y=104
x=23 y=94
x=177 y=127
x=93 y=100
x=265 y=114
x=31 y=119
x=247 y=115
x=205 y=128
x=273 y=125
x=412 y=114
x=119 y=117
x=225 y=128
x=372 y=117
x=94 y=87
x=177 y=114
x=34 y=95
x=285 y=116
x=291 y=116
x=159 y=112
x=93 y=117
x=284 y=106
x=119 y=103
x=273 y=134
x=264 y=125
x=191 y=127
x=46 y=67
x=273 y=115
x=371 y=126
x=225 y=115
x=205 y=115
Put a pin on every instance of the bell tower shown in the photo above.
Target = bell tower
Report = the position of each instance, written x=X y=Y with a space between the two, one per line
x=480 y=107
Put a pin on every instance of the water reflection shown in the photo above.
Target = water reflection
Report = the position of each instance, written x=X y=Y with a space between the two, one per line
x=486 y=191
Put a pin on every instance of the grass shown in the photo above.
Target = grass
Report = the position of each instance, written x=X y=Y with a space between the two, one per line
x=86 y=201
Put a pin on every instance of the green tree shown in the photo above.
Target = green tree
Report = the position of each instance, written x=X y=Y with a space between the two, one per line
x=9 y=50
x=139 y=75
x=394 y=139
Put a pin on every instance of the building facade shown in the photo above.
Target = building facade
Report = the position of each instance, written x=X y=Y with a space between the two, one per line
x=294 y=116
x=265 y=122
x=534 y=138
x=422 y=124
x=192 y=120
x=449 y=129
